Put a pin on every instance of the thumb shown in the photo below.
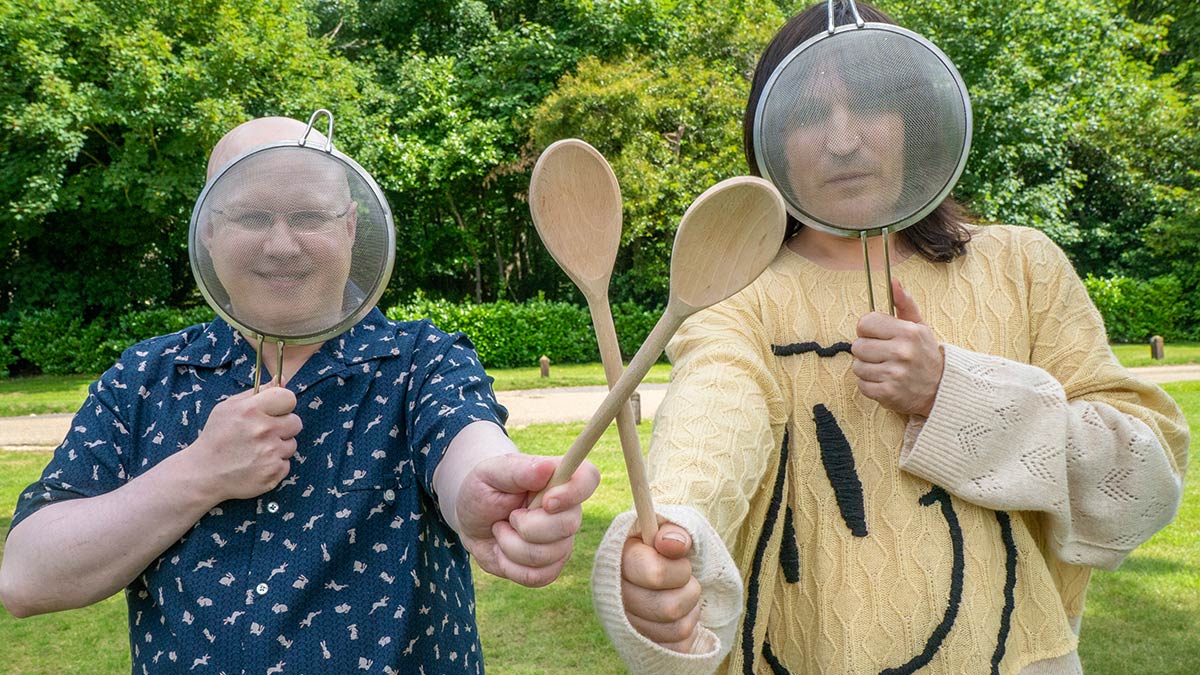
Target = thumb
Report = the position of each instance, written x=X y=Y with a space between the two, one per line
x=672 y=541
x=906 y=307
x=515 y=473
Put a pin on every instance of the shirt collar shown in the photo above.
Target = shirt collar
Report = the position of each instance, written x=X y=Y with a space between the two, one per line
x=221 y=346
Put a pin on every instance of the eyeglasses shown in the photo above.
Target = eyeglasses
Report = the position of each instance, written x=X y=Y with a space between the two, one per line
x=258 y=221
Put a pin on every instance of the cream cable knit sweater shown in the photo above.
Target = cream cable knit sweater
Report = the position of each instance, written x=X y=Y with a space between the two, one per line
x=957 y=543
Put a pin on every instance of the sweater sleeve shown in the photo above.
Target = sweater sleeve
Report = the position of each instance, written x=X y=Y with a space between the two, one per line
x=1071 y=434
x=720 y=598
x=721 y=418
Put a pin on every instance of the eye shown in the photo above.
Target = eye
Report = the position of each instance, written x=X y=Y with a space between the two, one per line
x=310 y=221
x=814 y=112
x=250 y=219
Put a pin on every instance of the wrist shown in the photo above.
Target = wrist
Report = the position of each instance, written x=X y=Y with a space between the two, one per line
x=474 y=444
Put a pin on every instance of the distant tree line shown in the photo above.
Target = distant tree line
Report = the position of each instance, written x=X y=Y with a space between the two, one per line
x=1087 y=126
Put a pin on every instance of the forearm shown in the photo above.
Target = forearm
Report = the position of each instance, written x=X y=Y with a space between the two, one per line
x=1004 y=435
x=77 y=552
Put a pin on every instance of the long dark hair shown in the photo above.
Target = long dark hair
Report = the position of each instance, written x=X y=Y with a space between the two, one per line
x=940 y=236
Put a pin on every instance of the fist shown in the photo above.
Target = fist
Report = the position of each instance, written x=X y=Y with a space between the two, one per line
x=660 y=595
x=246 y=446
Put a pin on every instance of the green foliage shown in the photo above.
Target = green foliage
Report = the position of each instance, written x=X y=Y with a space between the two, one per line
x=1135 y=310
x=510 y=335
x=1087 y=126
x=110 y=109
x=60 y=343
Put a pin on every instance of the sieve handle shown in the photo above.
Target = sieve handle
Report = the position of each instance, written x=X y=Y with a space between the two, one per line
x=858 y=20
x=329 y=134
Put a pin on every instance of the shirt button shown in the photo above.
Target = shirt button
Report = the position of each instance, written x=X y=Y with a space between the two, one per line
x=389 y=495
x=272 y=507
x=262 y=589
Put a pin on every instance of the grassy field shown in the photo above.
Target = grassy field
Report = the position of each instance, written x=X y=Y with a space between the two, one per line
x=1177 y=353
x=63 y=393
x=44 y=394
x=1140 y=619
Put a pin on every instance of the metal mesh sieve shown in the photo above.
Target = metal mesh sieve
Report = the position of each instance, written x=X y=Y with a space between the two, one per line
x=864 y=129
x=291 y=242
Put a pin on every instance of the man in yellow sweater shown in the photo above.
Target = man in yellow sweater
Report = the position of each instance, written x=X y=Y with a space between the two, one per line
x=875 y=494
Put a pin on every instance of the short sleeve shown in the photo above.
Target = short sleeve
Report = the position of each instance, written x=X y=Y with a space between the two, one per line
x=91 y=460
x=447 y=391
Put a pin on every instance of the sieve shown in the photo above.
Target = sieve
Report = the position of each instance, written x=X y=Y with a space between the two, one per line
x=864 y=129
x=292 y=242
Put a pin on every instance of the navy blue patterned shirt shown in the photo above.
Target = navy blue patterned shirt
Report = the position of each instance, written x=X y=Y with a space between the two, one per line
x=347 y=565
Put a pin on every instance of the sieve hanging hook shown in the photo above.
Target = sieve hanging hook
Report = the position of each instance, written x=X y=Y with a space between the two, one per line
x=328 y=136
x=858 y=20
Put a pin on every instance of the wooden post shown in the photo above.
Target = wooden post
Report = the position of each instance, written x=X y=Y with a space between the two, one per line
x=544 y=362
x=1156 y=348
x=635 y=400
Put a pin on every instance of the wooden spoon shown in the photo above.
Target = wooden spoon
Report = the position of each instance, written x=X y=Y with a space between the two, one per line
x=726 y=239
x=576 y=207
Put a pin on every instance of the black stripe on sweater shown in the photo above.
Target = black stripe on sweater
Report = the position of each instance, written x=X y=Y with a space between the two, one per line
x=789 y=551
x=1010 y=584
x=805 y=347
x=777 y=667
x=760 y=551
x=838 y=460
x=919 y=661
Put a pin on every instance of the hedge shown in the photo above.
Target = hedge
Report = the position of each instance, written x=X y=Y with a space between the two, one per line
x=1135 y=310
x=512 y=335
x=506 y=334
x=509 y=335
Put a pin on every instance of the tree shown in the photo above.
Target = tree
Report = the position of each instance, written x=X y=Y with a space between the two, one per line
x=111 y=108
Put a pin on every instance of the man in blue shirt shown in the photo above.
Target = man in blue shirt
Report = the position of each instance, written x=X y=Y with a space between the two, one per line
x=320 y=527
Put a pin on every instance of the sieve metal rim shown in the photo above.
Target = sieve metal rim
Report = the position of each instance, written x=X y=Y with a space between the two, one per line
x=924 y=210
x=369 y=300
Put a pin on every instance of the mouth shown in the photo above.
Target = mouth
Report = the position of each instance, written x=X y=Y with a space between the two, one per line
x=848 y=178
x=279 y=278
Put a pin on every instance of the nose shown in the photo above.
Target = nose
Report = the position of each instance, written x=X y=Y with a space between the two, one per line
x=843 y=136
x=281 y=241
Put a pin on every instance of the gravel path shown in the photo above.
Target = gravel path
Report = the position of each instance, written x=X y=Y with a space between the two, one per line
x=530 y=406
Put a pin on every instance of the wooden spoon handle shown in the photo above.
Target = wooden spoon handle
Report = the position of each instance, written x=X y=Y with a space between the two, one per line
x=649 y=352
x=635 y=466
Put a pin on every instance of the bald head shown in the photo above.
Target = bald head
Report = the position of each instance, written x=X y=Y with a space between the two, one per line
x=254 y=133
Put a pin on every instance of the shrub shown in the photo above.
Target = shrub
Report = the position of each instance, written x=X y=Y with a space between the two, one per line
x=511 y=335
x=58 y=342
x=1134 y=310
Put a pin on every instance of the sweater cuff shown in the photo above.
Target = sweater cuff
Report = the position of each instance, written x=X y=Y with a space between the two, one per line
x=720 y=597
x=933 y=446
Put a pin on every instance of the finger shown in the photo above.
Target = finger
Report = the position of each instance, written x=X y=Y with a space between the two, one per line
x=515 y=473
x=871 y=350
x=290 y=426
x=575 y=491
x=871 y=372
x=276 y=401
x=878 y=326
x=539 y=527
x=496 y=563
x=906 y=306
x=529 y=554
x=660 y=606
x=642 y=566
x=672 y=541
x=668 y=633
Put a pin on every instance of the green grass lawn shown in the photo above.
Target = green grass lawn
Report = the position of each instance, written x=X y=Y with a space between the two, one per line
x=1140 y=619
x=42 y=394
x=1174 y=353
